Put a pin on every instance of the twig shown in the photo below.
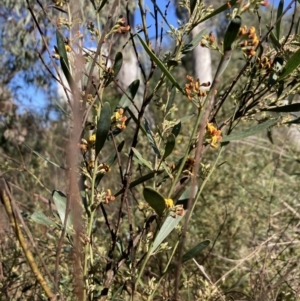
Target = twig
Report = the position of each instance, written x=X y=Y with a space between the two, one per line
x=7 y=202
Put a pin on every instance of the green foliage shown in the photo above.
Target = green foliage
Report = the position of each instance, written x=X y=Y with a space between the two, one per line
x=144 y=205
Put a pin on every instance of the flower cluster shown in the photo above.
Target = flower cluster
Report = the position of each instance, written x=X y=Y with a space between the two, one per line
x=118 y=119
x=192 y=89
x=254 y=3
x=177 y=210
x=249 y=40
x=59 y=3
x=212 y=135
x=189 y=165
x=264 y=64
x=169 y=203
x=108 y=197
x=209 y=41
x=119 y=27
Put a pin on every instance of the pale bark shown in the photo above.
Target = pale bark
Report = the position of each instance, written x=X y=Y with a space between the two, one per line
x=201 y=59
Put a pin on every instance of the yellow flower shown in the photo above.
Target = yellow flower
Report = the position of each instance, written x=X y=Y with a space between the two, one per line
x=213 y=135
x=92 y=139
x=169 y=203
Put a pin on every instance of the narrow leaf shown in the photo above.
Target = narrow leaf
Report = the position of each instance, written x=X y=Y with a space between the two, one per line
x=295 y=107
x=171 y=99
x=232 y=32
x=103 y=127
x=40 y=218
x=62 y=48
x=168 y=226
x=176 y=129
x=297 y=26
x=279 y=13
x=219 y=10
x=251 y=131
x=275 y=41
x=102 y=5
x=110 y=161
x=187 y=117
x=184 y=198
x=140 y=158
x=141 y=180
x=291 y=65
x=118 y=63
x=60 y=201
x=160 y=64
x=151 y=138
x=195 y=251
x=192 y=5
x=116 y=67
x=155 y=200
x=128 y=96
x=171 y=222
x=44 y=158
x=169 y=146
x=195 y=42
x=64 y=61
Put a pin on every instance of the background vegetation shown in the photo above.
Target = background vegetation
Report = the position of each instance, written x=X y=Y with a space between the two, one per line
x=90 y=181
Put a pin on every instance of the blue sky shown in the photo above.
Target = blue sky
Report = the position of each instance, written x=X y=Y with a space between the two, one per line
x=37 y=95
x=34 y=98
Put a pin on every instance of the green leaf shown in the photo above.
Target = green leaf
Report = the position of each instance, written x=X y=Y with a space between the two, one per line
x=275 y=41
x=139 y=158
x=62 y=48
x=128 y=96
x=297 y=27
x=192 y=5
x=118 y=63
x=118 y=292
x=160 y=64
x=155 y=200
x=110 y=161
x=64 y=61
x=40 y=218
x=220 y=10
x=44 y=158
x=184 y=198
x=291 y=65
x=60 y=201
x=187 y=117
x=168 y=226
x=102 y=5
x=136 y=121
x=176 y=129
x=223 y=63
x=94 y=4
x=294 y=121
x=279 y=13
x=232 y=32
x=169 y=146
x=103 y=127
x=192 y=253
x=171 y=99
x=270 y=136
x=251 y=131
x=116 y=67
x=151 y=138
x=280 y=88
x=171 y=222
x=295 y=107
x=141 y=180
x=195 y=42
